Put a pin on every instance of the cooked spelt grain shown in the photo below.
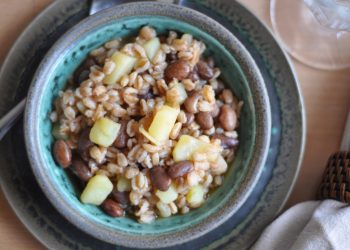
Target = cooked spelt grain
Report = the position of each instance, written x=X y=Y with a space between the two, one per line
x=122 y=160
x=98 y=52
x=108 y=67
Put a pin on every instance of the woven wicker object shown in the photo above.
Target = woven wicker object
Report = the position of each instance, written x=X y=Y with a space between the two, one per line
x=336 y=178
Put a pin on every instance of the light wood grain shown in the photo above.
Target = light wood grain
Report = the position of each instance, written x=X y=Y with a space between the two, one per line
x=326 y=94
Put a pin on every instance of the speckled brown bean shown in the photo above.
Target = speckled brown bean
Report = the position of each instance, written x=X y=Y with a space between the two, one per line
x=216 y=111
x=62 y=153
x=180 y=169
x=171 y=57
x=81 y=169
x=204 y=71
x=227 y=118
x=194 y=74
x=204 y=120
x=191 y=103
x=226 y=142
x=84 y=144
x=112 y=208
x=121 y=197
x=148 y=95
x=178 y=69
x=160 y=178
x=122 y=137
x=189 y=118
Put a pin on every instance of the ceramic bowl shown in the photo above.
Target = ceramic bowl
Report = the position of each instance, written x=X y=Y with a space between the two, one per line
x=240 y=73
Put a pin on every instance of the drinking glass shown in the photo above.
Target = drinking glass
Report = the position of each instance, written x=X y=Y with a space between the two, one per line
x=315 y=32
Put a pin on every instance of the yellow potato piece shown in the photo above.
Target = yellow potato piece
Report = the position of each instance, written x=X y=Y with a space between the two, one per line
x=168 y=196
x=97 y=190
x=123 y=185
x=177 y=92
x=151 y=47
x=188 y=145
x=162 y=123
x=123 y=65
x=195 y=196
x=104 y=132
x=148 y=136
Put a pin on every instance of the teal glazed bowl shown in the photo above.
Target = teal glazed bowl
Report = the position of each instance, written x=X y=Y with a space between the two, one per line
x=238 y=70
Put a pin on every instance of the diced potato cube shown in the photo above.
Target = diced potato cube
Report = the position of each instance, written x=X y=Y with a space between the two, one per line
x=104 y=132
x=176 y=94
x=188 y=145
x=195 y=196
x=123 y=185
x=123 y=65
x=167 y=196
x=97 y=190
x=148 y=136
x=163 y=122
x=151 y=47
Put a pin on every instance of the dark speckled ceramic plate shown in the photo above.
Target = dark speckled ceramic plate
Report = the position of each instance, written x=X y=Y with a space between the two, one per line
x=269 y=195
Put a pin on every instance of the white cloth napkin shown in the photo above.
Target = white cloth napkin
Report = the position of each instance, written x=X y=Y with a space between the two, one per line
x=312 y=225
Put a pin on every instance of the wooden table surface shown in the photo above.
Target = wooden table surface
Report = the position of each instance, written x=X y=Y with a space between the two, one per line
x=326 y=95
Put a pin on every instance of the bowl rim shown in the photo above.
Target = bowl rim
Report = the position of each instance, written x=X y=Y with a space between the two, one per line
x=259 y=155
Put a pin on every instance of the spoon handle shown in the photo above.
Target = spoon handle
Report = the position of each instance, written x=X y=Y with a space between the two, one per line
x=11 y=117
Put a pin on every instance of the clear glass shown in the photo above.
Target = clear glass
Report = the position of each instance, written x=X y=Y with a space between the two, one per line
x=315 y=32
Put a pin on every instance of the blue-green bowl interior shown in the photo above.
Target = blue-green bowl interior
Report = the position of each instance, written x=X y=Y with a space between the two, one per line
x=231 y=73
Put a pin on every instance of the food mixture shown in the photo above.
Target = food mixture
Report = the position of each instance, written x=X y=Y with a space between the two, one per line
x=147 y=126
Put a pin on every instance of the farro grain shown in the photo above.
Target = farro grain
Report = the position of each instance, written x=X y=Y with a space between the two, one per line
x=113 y=44
x=89 y=103
x=147 y=217
x=163 y=209
x=147 y=161
x=97 y=76
x=175 y=130
x=185 y=210
x=112 y=168
x=109 y=67
x=155 y=159
x=205 y=106
x=181 y=201
x=193 y=178
x=131 y=172
x=124 y=81
x=98 y=52
x=147 y=33
x=122 y=160
x=173 y=208
x=188 y=84
x=135 y=197
x=201 y=165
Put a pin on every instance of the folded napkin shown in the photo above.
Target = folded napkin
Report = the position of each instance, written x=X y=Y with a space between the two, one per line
x=309 y=225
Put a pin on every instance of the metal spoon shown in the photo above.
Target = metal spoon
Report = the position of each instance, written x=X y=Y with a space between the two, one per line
x=7 y=121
